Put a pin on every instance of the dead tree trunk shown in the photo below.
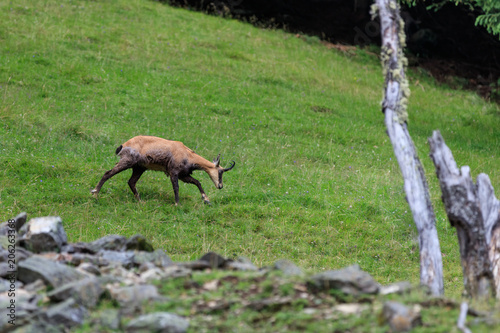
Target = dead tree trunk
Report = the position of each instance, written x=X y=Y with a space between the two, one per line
x=474 y=211
x=394 y=108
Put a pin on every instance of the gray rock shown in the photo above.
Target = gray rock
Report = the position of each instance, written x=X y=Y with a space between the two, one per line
x=138 y=243
x=86 y=267
x=4 y=269
x=52 y=273
x=7 y=284
x=240 y=264
x=288 y=268
x=214 y=260
x=21 y=311
x=175 y=271
x=158 y=322
x=68 y=314
x=35 y=287
x=399 y=317
x=158 y=257
x=79 y=258
x=126 y=259
x=43 y=234
x=19 y=221
x=110 y=242
x=109 y=319
x=85 y=292
x=21 y=253
x=131 y=298
x=350 y=280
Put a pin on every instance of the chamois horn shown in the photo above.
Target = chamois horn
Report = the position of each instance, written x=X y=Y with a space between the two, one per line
x=232 y=166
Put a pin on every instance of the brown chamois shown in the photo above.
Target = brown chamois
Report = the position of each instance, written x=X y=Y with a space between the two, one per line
x=143 y=153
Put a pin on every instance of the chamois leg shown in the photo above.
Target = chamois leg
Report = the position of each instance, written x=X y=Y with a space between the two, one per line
x=191 y=180
x=175 y=185
x=119 y=167
x=137 y=172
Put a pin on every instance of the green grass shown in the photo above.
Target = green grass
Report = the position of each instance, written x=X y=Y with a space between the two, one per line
x=315 y=180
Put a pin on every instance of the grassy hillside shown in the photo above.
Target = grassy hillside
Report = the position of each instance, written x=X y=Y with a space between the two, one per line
x=315 y=178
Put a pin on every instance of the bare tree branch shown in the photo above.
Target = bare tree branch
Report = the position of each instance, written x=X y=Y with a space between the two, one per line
x=394 y=108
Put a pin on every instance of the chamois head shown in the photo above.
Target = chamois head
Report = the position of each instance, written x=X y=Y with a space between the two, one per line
x=218 y=171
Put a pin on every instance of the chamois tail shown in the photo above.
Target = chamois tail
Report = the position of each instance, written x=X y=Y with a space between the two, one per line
x=118 y=150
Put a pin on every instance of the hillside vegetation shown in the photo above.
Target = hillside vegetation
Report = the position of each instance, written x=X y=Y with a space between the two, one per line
x=315 y=180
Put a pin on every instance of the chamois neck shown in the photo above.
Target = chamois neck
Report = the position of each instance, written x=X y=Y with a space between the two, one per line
x=204 y=164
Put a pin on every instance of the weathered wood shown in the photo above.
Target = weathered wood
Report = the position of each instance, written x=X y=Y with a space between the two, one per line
x=394 y=108
x=474 y=211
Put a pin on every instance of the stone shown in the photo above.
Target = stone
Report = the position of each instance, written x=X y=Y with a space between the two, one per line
x=174 y=272
x=240 y=264
x=131 y=298
x=158 y=322
x=5 y=284
x=79 y=258
x=158 y=257
x=109 y=319
x=4 y=269
x=21 y=253
x=85 y=292
x=288 y=268
x=43 y=234
x=350 y=280
x=35 y=287
x=68 y=314
x=126 y=259
x=109 y=242
x=19 y=221
x=52 y=273
x=213 y=259
x=25 y=308
x=399 y=317
x=88 y=268
x=138 y=243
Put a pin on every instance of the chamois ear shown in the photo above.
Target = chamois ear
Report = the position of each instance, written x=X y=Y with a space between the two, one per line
x=217 y=160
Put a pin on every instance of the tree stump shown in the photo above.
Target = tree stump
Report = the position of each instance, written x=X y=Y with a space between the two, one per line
x=474 y=211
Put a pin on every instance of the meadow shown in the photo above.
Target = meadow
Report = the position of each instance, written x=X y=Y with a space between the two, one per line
x=315 y=181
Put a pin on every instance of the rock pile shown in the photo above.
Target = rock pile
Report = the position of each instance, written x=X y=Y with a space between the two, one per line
x=48 y=285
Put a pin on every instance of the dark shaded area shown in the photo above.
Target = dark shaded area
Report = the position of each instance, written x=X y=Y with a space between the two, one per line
x=446 y=43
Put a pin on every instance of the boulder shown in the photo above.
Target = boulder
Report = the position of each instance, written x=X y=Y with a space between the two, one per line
x=138 y=243
x=158 y=257
x=85 y=292
x=19 y=221
x=126 y=259
x=399 y=317
x=132 y=298
x=350 y=280
x=241 y=264
x=68 y=314
x=53 y=273
x=213 y=259
x=43 y=234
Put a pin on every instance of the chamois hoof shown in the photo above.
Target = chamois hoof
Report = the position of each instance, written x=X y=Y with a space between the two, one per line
x=94 y=193
x=207 y=202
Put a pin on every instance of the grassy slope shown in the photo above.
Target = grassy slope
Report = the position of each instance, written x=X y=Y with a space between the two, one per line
x=315 y=179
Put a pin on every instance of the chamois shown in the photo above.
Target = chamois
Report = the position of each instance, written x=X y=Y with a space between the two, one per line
x=177 y=161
